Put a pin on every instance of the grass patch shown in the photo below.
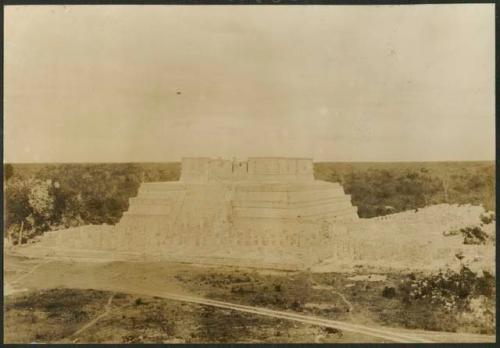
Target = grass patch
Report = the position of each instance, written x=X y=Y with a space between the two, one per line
x=50 y=315
x=53 y=316
x=447 y=301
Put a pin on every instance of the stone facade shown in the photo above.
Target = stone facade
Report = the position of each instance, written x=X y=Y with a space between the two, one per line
x=265 y=210
x=268 y=169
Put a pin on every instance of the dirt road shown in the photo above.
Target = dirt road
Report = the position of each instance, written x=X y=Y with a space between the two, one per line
x=385 y=334
x=154 y=281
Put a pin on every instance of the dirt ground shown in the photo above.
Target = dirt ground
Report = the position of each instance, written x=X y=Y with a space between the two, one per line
x=61 y=316
x=42 y=295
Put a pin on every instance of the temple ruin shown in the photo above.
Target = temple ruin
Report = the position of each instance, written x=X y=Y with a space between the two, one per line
x=268 y=211
x=264 y=212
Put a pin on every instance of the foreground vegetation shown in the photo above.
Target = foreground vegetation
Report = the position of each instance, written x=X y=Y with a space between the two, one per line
x=453 y=301
x=42 y=197
x=446 y=301
x=60 y=315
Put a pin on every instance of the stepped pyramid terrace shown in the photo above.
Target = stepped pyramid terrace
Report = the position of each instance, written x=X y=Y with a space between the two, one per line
x=264 y=212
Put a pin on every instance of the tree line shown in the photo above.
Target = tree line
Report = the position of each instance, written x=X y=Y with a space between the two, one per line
x=384 y=188
x=38 y=198
x=42 y=197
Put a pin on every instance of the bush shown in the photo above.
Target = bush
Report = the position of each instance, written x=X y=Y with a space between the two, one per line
x=297 y=306
x=449 y=300
x=389 y=292
x=487 y=218
x=332 y=331
x=474 y=235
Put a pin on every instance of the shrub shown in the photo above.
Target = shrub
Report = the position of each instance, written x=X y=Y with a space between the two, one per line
x=474 y=235
x=296 y=306
x=389 y=292
x=487 y=218
x=449 y=300
x=333 y=331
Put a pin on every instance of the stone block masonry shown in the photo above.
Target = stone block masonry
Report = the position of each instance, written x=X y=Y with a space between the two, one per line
x=264 y=212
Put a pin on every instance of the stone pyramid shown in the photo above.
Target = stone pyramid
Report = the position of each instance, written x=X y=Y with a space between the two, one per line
x=267 y=212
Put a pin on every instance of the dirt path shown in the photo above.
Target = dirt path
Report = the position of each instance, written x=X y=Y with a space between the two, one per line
x=349 y=304
x=386 y=334
x=29 y=272
x=110 y=278
x=91 y=323
x=339 y=294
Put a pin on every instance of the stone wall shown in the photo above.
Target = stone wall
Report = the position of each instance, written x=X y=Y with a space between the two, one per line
x=280 y=169
x=283 y=243
x=267 y=211
x=204 y=169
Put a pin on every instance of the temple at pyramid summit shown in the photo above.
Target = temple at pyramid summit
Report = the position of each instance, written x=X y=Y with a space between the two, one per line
x=265 y=212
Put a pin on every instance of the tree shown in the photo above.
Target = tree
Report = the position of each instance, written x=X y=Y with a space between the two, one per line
x=8 y=171
x=17 y=207
x=41 y=202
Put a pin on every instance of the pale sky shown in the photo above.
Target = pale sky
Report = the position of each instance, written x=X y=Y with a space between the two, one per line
x=336 y=83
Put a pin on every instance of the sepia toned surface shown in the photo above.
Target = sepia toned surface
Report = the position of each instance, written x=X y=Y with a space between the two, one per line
x=335 y=83
x=271 y=213
x=267 y=216
x=121 y=227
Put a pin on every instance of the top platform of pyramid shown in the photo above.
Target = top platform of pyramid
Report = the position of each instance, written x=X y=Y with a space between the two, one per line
x=261 y=169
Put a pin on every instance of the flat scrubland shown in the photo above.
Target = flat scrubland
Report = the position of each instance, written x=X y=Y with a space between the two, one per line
x=448 y=301
x=383 y=188
x=61 y=297
x=63 y=316
x=43 y=197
